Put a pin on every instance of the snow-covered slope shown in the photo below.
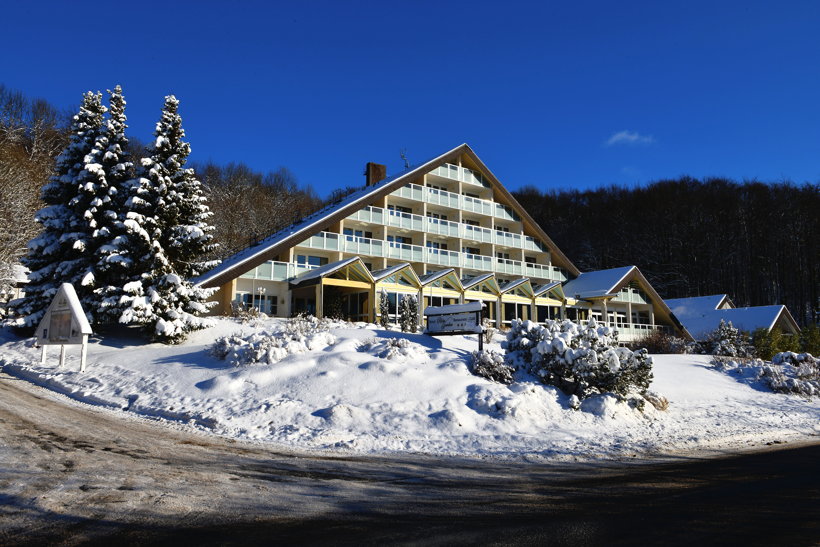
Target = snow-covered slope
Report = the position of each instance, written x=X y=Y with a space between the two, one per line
x=366 y=395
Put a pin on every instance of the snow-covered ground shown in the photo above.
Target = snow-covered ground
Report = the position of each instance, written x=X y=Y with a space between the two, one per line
x=365 y=395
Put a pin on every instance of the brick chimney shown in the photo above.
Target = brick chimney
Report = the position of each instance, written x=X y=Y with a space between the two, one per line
x=374 y=172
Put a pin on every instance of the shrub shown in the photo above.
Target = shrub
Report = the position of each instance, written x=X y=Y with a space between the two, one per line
x=491 y=365
x=657 y=341
x=487 y=331
x=767 y=343
x=726 y=340
x=579 y=360
x=409 y=313
x=787 y=373
x=384 y=310
x=299 y=334
x=810 y=339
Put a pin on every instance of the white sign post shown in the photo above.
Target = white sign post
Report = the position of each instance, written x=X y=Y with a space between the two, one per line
x=455 y=319
x=64 y=323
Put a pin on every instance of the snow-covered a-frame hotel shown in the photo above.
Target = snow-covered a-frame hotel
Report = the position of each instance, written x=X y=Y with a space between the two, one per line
x=446 y=231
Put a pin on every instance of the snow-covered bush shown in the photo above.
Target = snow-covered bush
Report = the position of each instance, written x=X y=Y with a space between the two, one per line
x=409 y=313
x=787 y=373
x=579 y=360
x=395 y=349
x=491 y=365
x=487 y=331
x=726 y=340
x=297 y=335
x=384 y=310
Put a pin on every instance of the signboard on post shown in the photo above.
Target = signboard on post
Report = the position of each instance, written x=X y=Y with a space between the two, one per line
x=455 y=319
x=64 y=323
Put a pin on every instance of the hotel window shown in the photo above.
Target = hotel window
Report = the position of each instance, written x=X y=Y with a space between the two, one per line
x=470 y=195
x=529 y=259
x=470 y=222
x=436 y=245
x=502 y=256
x=400 y=239
x=471 y=250
x=399 y=209
x=351 y=234
x=311 y=260
x=436 y=215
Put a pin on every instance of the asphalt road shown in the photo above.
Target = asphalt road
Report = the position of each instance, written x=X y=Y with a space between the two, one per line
x=73 y=474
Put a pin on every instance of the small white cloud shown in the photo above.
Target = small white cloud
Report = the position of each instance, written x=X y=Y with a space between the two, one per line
x=629 y=138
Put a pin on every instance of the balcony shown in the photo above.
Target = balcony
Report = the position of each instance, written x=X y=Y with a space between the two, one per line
x=363 y=246
x=276 y=271
x=409 y=221
x=455 y=201
x=463 y=174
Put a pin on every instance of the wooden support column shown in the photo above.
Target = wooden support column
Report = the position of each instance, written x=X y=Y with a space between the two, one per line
x=320 y=293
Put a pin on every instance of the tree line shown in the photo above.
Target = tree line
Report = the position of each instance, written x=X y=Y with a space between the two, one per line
x=759 y=243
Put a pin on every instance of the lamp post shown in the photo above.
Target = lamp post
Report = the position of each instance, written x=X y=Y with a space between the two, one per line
x=261 y=291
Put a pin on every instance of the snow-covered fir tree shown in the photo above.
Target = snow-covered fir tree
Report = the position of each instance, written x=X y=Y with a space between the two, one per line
x=114 y=262
x=409 y=313
x=74 y=202
x=182 y=213
x=152 y=292
x=384 y=309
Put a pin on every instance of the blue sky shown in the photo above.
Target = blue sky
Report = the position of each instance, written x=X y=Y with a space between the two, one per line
x=553 y=94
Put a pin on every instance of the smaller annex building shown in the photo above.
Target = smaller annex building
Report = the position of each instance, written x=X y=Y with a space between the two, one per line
x=446 y=231
x=702 y=315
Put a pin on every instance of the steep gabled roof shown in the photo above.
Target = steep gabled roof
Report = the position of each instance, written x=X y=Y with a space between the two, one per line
x=696 y=305
x=402 y=269
x=597 y=284
x=523 y=282
x=447 y=273
x=607 y=283
x=332 y=268
x=554 y=287
x=271 y=246
x=747 y=319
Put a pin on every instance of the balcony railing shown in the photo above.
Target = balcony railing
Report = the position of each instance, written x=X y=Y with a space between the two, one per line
x=276 y=271
x=454 y=172
x=410 y=221
x=415 y=253
x=456 y=201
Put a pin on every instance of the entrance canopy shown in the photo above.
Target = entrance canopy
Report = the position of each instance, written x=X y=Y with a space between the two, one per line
x=350 y=272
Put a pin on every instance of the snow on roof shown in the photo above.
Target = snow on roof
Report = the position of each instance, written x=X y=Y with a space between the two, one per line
x=596 y=284
x=747 y=319
x=694 y=306
x=73 y=302
x=309 y=224
x=381 y=274
x=322 y=271
x=468 y=282
x=428 y=278
x=541 y=289
x=510 y=285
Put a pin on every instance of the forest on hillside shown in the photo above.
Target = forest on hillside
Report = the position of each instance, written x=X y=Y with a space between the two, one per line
x=757 y=242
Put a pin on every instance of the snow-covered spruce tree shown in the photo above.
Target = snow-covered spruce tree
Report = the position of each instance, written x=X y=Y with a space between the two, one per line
x=727 y=340
x=114 y=264
x=384 y=310
x=409 y=313
x=182 y=214
x=154 y=295
x=74 y=202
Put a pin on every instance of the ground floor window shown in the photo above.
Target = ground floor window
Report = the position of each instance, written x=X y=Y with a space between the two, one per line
x=439 y=301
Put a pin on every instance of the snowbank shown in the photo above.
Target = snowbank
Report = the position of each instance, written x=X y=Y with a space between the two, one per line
x=376 y=391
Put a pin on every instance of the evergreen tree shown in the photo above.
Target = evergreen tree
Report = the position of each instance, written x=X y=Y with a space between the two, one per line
x=114 y=256
x=384 y=310
x=182 y=214
x=74 y=202
x=409 y=313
